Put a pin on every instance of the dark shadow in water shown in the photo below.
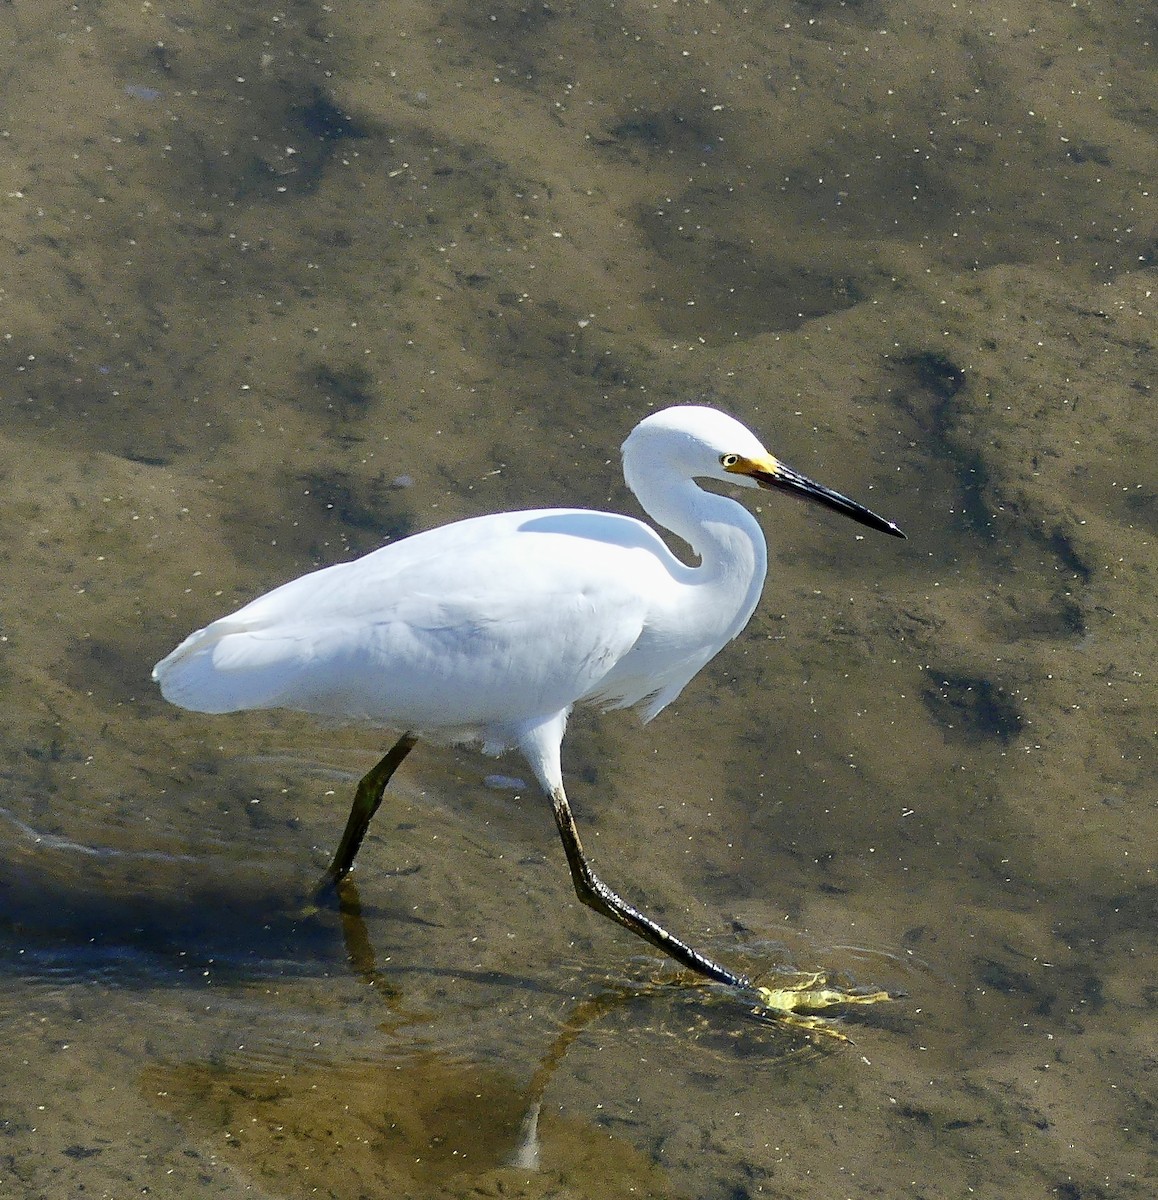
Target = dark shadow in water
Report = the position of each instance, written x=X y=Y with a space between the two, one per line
x=971 y=709
x=154 y=919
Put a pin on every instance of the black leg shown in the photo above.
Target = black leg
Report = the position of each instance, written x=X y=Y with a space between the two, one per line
x=366 y=801
x=597 y=895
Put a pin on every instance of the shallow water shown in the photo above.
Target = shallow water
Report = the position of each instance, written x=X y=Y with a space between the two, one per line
x=281 y=284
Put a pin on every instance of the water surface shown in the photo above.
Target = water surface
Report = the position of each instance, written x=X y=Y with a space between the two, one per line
x=282 y=284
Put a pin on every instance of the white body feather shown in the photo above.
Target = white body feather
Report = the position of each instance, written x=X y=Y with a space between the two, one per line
x=491 y=629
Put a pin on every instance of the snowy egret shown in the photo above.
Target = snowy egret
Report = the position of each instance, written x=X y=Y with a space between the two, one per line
x=490 y=630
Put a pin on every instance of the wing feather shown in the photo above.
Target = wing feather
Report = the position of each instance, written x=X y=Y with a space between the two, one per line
x=480 y=624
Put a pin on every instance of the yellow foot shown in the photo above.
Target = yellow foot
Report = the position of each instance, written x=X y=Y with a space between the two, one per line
x=798 y=1002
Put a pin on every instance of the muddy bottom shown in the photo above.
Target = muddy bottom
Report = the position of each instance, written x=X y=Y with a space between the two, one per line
x=280 y=287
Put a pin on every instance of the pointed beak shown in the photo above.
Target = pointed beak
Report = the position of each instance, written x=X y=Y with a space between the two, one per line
x=772 y=475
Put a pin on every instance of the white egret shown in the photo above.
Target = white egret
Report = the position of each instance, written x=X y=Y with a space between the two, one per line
x=490 y=630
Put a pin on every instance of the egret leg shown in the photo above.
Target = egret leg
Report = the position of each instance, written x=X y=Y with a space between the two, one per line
x=597 y=895
x=366 y=801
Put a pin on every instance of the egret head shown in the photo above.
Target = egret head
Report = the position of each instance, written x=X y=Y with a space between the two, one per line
x=704 y=443
x=694 y=441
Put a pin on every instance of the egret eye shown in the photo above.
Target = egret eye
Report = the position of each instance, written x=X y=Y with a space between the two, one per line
x=728 y=461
